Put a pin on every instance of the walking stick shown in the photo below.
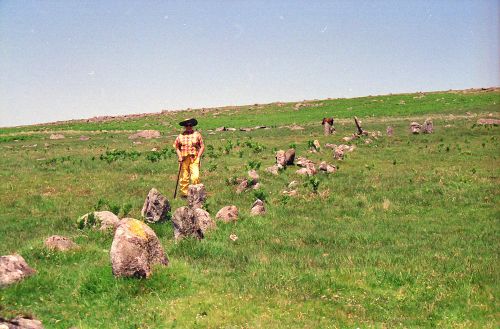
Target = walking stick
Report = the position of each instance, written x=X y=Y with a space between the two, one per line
x=177 y=183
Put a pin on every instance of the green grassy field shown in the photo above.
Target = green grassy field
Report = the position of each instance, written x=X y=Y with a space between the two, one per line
x=405 y=234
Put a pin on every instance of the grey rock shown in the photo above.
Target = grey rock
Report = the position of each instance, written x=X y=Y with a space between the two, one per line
x=156 y=207
x=254 y=177
x=289 y=157
x=280 y=158
x=191 y=222
x=323 y=166
x=197 y=195
x=389 y=131
x=13 y=268
x=60 y=243
x=428 y=127
x=258 y=208
x=227 y=214
x=20 y=322
x=135 y=249
x=415 y=128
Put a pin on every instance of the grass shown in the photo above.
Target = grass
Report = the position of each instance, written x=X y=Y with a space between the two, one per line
x=405 y=234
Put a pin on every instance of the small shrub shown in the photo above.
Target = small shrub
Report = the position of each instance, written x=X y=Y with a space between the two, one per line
x=126 y=208
x=212 y=167
x=260 y=194
x=253 y=164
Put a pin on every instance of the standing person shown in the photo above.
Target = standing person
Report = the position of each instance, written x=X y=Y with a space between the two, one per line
x=189 y=147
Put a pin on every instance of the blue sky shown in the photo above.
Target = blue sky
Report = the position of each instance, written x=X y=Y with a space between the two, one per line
x=77 y=59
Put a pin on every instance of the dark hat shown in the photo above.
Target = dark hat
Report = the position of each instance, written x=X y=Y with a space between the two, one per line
x=189 y=122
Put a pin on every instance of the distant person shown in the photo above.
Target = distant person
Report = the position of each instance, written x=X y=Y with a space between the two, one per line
x=189 y=147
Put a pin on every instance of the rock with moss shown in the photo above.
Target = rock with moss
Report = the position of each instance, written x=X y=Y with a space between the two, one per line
x=135 y=250
x=104 y=220
x=156 y=207
x=13 y=268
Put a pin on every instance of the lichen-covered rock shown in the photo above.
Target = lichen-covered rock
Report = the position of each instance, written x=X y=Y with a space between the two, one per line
x=203 y=220
x=105 y=220
x=258 y=208
x=185 y=224
x=60 y=243
x=13 y=268
x=156 y=207
x=227 y=214
x=20 y=322
x=135 y=249
x=197 y=195
x=428 y=127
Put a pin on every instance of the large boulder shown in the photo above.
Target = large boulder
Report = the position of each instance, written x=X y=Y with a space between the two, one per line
x=147 y=134
x=156 y=207
x=197 y=195
x=227 y=214
x=60 y=243
x=13 y=268
x=20 y=322
x=258 y=208
x=105 y=220
x=191 y=222
x=135 y=249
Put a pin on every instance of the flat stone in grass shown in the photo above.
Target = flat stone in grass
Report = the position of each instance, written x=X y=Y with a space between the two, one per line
x=197 y=195
x=227 y=214
x=146 y=134
x=273 y=170
x=56 y=136
x=60 y=243
x=156 y=207
x=135 y=249
x=20 y=322
x=13 y=268
x=323 y=166
x=415 y=128
x=486 y=122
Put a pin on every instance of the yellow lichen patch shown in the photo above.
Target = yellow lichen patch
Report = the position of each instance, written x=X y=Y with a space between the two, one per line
x=137 y=227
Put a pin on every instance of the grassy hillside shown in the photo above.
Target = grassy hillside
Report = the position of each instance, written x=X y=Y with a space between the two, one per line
x=405 y=234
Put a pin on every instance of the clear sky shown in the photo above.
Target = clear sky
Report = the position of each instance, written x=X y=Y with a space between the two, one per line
x=77 y=59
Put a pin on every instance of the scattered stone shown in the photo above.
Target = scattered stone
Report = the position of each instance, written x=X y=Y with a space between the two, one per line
x=203 y=220
x=323 y=166
x=60 y=243
x=137 y=143
x=233 y=237
x=245 y=129
x=56 y=136
x=196 y=195
x=231 y=129
x=135 y=249
x=415 y=128
x=330 y=146
x=402 y=102
x=290 y=193
x=280 y=158
x=274 y=170
x=389 y=131
x=147 y=134
x=13 y=268
x=368 y=141
x=228 y=214
x=293 y=184
x=338 y=153
x=242 y=187
x=220 y=129
x=427 y=127
x=316 y=144
x=104 y=219
x=191 y=222
x=309 y=170
x=84 y=138
x=303 y=162
x=254 y=177
x=258 y=208
x=156 y=207
x=485 y=122
x=296 y=127
x=256 y=186
x=20 y=322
